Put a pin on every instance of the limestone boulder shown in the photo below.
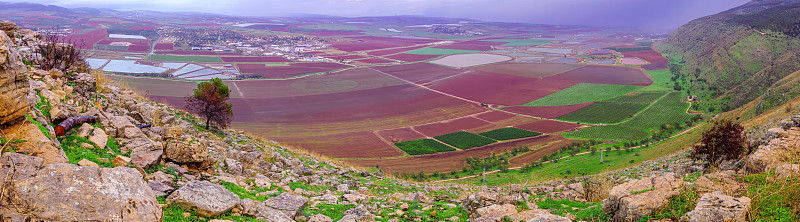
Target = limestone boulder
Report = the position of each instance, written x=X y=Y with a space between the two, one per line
x=187 y=151
x=36 y=143
x=99 y=138
x=719 y=181
x=14 y=86
x=261 y=211
x=66 y=192
x=289 y=204
x=206 y=198
x=537 y=215
x=494 y=212
x=719 y=207
x=635 y=199
x=145 y=153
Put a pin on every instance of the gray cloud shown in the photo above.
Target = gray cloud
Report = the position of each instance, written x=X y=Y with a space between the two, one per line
x=657 y=15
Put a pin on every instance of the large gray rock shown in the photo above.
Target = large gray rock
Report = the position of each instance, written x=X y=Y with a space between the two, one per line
x=635 y=199
x=122 y=127
x=14 y=86
x=263 y=212
x=288 y=203
x=66 y=192
x=187 y=151
x=494 y=212
x=99 y=138
x=538 y=215
x=207 y=198
x=145 y=153
x=719 y=207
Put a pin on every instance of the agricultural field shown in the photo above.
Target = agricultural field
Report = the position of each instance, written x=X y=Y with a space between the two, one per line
x=375 y=94
x=185 y=58
x=464 y=140
x=423 y=146
x=668 y=110
x=583 y=93
x=509 y=133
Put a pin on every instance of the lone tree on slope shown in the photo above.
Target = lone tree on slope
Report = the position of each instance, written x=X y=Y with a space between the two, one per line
x=725 y=140
x=209 y=100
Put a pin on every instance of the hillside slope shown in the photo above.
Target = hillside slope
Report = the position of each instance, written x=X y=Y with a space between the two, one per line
x=730 y=58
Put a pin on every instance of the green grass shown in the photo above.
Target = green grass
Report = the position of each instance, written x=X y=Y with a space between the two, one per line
x=305 y=186
x=773 y=199
x=436 y=211
x=71 y=144
x=433 y=51
x=244 y=193
x=604 y=112
x=509 y=133
x=464 y=140
x=661 y=81
x=677 y=206
x=334 y=211
x=519 y=42
x=185 y=58
x=669 y=110
x=582 y=211
x=173 y=213
x=583 y=93
x=423 y=146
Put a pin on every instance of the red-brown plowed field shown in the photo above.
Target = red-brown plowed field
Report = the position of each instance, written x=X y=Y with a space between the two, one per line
x=255 y=59
x=419 y=72
x=349 y=111
x=657 y=61
x=550 y=112
x=605 y=75
x=142 y=28
x=292 y=70
x=348 y=80
x=348 y=145
x=436 y=129
x=342 y=57
x=467 y=123
x=334 y=33
x=87 y=41
x=536 y=70
x=394 y=51
x=548 y=126
x=400 y=135
x=138 y=48
x=444 y=162
x=495 y=116
x=165 y=46
x=411 y=57
x=193 y=52
x=492 y=88
x=363 y=43
x=471 y=45
x=375 y=61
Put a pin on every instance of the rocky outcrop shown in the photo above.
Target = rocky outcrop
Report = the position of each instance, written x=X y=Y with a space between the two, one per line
x=635 y=199
x=36 y=143
x=719 y=181
x=289 y=204
x=206 y=198
x=187 y=151
x=66 y=192
x=775 y=152
x=14 y=86
x=719 y=207
x=495 y=212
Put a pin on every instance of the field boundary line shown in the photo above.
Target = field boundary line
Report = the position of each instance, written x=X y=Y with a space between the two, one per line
x=237 y=89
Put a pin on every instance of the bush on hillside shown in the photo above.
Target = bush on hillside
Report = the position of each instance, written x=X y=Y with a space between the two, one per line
x=725 y=140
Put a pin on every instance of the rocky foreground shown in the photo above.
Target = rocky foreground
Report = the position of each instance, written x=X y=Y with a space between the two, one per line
x=145 y=161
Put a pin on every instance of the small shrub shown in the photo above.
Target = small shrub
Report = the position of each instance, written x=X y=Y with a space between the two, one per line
x=725 y=140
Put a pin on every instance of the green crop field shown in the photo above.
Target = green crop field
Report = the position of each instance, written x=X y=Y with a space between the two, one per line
x=509 y=133
x=464 y=140
x=668 y=110
x=185 y=58
x=433 y=51
x=613 y=110
x=583 y=93
x=423 y=146
x=661 y=81
x=604 y=112
x=520 y=42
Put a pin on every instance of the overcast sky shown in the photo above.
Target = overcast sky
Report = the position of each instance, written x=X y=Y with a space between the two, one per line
x=654 y=15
